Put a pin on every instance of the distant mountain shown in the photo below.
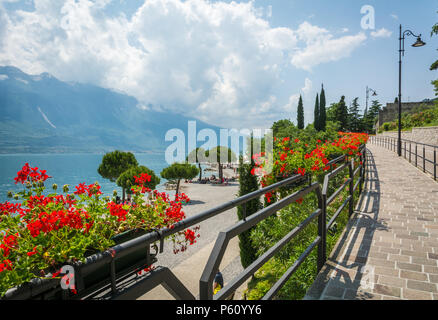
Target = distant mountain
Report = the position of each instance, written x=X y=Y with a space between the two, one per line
x=40 y=114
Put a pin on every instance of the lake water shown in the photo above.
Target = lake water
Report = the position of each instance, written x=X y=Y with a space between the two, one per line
x=70 y=169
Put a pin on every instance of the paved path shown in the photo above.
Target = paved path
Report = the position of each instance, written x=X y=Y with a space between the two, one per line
x=390 y=248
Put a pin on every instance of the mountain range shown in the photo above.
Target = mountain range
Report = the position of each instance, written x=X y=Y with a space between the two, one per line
x=41 y=114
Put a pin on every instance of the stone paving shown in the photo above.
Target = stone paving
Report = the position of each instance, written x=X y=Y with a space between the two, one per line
x=390 y=247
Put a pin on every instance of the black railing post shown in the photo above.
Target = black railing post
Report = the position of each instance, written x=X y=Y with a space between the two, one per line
x=361 y=176
x=322 y=231
x=405 y=149
x=410 y=152
x=424 y=158
x=351 y=187
x=434 y=164
x=416 y=155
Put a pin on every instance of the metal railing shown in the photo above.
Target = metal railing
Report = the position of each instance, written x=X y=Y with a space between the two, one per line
x=127 y=284
x=421 y=155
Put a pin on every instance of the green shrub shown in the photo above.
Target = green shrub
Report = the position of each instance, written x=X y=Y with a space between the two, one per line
x=424 y=116
x=270 y=231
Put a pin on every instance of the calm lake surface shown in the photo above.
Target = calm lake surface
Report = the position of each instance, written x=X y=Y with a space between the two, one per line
x=70 y=169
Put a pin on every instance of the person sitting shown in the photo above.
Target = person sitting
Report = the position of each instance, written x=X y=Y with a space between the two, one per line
x=218 y=282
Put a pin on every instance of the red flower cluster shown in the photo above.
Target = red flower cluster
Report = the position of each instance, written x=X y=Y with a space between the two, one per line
x=33 y=252
x=182 y=197
x=293 y=157
x=90 y=189
x=190 y=236
x=8 y=243
x=8 y=208
x=30 y=174
x=144 y=178
x=5 y=265
x=42 y=201
x=301 y=171
x=140 y=182
x=52 y=228
x=117 y=211
x=55 y=220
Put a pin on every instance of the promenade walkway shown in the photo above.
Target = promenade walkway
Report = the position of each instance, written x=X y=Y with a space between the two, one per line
x=390 y=247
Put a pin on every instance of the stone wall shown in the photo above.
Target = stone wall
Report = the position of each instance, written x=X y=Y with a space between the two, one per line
x=427 y=135
x=390 y=112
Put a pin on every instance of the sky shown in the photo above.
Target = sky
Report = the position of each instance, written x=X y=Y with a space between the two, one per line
x=234 y=64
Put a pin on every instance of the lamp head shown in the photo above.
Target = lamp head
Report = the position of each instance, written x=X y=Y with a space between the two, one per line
x=419 y=43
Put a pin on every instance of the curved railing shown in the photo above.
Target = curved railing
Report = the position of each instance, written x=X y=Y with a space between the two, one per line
x=127 y=284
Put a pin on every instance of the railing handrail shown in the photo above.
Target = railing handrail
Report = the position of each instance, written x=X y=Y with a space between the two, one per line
x=109 y=256
x=218 y=251
x=147 y=239
x=391 y=145
x=407 y=140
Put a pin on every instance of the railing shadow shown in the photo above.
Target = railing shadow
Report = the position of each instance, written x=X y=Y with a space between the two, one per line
x=345 y=272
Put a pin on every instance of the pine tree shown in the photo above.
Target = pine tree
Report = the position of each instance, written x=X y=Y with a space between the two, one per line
x=372 y=115
x=353 y=115
x=322 y=111
x=316 y=113
x=342 y=114
x=300 y=114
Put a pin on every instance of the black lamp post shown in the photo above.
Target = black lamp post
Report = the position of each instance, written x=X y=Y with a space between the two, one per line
x=418 y=43
x=369 y=90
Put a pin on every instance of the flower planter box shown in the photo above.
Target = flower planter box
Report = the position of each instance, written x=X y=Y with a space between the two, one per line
x=50 y=289
x=136 y=258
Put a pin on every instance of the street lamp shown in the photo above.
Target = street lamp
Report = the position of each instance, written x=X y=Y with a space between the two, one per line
x=368 y=96
x=417 y=44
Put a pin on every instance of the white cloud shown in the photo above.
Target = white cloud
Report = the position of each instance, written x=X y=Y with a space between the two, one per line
x=321 y=47
x=3 y=77
x=394 y=16
x=211 y=60
x=381 y=33
x=292 y=104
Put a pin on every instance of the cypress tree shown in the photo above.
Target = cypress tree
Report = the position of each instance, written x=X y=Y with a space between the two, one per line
x=322 y=111
x=300 y=114
x=316 y=113
x=247 y=184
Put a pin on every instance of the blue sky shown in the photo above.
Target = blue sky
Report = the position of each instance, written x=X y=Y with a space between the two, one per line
x=234 y=64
